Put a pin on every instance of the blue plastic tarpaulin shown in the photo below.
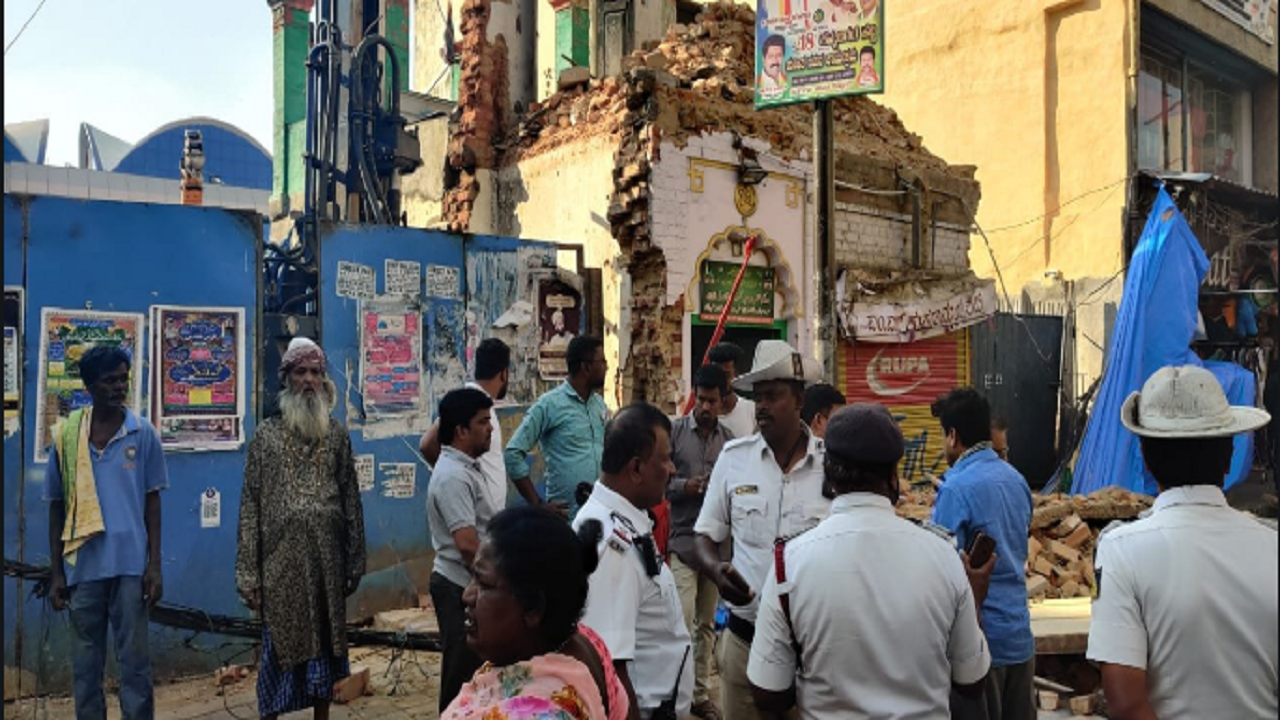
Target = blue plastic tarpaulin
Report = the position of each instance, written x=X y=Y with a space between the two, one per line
x=1154 y=328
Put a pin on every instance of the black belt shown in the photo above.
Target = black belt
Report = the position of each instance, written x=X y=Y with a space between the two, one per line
x=745 y=631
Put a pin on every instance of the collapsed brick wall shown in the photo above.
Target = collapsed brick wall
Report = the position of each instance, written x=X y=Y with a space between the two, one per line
x=483 y=116
x=647 y=372
x=697 y=80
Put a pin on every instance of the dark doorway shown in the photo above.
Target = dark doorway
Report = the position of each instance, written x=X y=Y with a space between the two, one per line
x=1016 y=363
x=744 y=336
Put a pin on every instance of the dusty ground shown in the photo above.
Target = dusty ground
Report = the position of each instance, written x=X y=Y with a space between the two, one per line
x=404 y=688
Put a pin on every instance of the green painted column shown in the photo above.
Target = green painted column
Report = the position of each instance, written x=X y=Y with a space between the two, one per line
x=395 y=29
x=573 y=35
x=291 y=41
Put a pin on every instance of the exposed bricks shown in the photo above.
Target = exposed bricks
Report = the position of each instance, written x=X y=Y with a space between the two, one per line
x=695 y=83
x=482 y=118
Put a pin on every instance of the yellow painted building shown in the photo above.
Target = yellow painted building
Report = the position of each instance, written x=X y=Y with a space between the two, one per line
x=1059 y=103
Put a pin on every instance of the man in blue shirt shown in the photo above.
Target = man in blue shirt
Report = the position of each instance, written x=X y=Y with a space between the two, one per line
x=568 y=423
x=983 y=493
x=106 y=468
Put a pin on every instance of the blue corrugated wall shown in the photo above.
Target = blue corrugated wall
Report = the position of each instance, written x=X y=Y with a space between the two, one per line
x=128 y=257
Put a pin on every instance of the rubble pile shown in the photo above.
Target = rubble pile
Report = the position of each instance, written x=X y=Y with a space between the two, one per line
x=1060 y=552
x=701 y=76
x=917 y=504
x=1064 y=535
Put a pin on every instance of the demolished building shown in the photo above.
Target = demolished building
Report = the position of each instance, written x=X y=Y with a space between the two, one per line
x=661 y=173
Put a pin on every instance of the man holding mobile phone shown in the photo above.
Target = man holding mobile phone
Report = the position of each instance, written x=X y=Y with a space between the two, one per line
x=983 y=494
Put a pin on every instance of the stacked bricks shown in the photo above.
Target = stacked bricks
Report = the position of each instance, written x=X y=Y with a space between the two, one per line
x=1063 y=539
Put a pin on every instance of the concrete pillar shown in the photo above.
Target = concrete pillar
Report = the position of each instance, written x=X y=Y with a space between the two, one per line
x=290 y=22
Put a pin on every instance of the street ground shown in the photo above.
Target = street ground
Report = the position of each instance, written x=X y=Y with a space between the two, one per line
x=404 y=687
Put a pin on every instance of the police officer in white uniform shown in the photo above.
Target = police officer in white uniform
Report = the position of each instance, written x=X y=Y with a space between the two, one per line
x=840 y=635
x=764 y=488
x=1187 y=622
x=633 y=603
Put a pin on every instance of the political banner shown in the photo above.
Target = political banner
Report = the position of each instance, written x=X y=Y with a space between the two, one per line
x=810 y=50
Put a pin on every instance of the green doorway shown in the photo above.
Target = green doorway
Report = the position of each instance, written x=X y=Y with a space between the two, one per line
x=744 y=336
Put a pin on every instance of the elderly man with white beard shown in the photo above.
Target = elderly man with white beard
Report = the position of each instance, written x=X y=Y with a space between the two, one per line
x=301 y=550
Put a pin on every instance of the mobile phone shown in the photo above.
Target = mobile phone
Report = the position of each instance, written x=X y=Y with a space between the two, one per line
x=980 y=549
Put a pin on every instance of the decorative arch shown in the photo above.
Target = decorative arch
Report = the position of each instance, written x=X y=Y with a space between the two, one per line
x=792 y=307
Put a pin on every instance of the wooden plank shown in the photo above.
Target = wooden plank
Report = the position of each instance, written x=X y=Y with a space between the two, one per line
x=1061 y=627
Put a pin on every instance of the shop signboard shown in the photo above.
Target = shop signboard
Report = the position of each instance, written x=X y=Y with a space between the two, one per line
x=871 y=321
x=907 y=378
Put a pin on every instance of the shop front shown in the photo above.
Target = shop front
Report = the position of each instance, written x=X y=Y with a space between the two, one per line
x=904 y=354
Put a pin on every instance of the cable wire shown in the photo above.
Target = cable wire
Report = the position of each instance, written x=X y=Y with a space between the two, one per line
x=1077 y=198
x=23 y=29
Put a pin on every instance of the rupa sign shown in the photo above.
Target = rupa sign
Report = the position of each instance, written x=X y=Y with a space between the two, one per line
x=908 y=321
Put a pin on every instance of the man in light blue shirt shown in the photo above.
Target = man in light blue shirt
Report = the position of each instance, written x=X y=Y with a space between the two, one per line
x=115 y=574
x=983 y=493
x=568 y=422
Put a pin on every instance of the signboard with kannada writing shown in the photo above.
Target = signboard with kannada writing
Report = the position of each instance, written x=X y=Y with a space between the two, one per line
x=753 y=305
x=65 y=336
x=198 y=354
x=818 y=49
x=902 y=322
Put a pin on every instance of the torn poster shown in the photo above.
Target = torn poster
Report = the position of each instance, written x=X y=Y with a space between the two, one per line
x=390 y=360
x=65 y=336
x=11 y=389
x=399 y=480
x=364 y=472
x=402 y=277
x=356 y=281
x=443 y=281
x=197 y=361
x=560 y=321
x=13 y=316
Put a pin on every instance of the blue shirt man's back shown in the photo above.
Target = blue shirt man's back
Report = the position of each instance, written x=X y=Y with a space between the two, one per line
x=983 y=492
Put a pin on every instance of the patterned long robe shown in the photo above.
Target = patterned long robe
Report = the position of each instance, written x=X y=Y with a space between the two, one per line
x=301 y=538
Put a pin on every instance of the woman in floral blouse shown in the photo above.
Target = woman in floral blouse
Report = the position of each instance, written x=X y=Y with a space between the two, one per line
x=528 y=589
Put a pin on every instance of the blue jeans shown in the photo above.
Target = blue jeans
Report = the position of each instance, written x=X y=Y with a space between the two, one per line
x=94 y=604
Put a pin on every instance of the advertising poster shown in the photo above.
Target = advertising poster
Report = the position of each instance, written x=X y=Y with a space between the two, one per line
x=818 y=49
x=65 y=336
x=198 y=359
x=390 y=360
x=559 y=320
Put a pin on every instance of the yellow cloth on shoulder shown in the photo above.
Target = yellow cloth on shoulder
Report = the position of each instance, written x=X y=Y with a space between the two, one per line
x=79 y=489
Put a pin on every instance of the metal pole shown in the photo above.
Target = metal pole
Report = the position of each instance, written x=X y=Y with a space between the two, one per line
x=824 y=152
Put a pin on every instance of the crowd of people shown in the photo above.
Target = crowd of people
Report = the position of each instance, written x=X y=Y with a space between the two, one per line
x=597 y=598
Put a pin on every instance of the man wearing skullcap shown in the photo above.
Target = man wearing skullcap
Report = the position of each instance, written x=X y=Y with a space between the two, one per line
x=301 y=550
